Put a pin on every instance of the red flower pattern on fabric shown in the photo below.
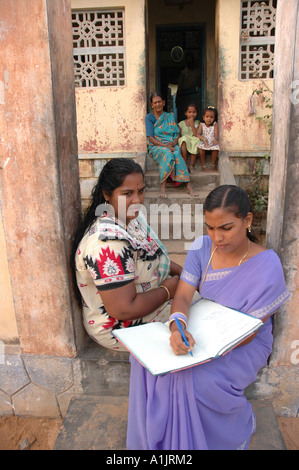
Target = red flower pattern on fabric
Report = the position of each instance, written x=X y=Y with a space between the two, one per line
x=109 y=264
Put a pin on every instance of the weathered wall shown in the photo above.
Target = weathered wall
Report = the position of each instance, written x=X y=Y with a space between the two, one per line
x=238 y=130
x=111 y=120
x=40 y=198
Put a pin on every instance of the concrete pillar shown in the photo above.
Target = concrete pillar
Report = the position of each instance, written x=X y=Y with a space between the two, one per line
x=283 y=218
x=283 y=212
x=40 y=196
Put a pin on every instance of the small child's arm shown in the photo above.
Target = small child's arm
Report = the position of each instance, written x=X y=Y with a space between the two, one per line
x=191 y=123
x=199 y=133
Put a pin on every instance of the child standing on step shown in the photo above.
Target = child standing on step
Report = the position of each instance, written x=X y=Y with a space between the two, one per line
x=188 y=140
x=208 y=135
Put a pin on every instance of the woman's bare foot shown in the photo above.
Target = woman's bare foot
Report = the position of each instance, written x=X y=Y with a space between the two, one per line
x=190 y=190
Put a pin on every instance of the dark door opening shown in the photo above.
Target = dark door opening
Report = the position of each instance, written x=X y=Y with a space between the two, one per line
x=181 y=67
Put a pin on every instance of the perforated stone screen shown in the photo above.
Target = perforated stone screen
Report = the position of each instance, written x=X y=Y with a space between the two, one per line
x=99 y=48
x=257 y=42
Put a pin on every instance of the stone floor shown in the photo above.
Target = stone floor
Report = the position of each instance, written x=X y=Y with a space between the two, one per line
x=90 y=394
x=42 y=386
x=99 y=423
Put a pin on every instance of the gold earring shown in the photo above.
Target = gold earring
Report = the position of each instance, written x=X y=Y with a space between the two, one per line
x=249 y=228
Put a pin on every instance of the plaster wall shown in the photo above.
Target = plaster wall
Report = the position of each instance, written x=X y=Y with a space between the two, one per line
x=111 y=120
x=238 y=130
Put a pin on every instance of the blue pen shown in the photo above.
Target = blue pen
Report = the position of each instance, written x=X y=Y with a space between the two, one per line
x=183 y=335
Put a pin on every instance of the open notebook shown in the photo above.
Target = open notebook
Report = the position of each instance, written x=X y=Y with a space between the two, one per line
x=216 y=330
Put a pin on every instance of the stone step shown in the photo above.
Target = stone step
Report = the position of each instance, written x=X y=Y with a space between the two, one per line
x=94 y=423
x=178 y=208
x=152 y=186
x=151 y=164
x=173 y=233
x=184 y=234
x=177 y=220
x=178 y=258
x=177 y=247
x=100 y=423
x=199 y=180
x=175 y=195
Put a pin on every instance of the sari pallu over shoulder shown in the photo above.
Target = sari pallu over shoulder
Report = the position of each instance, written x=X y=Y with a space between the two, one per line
x=171 y=164
x=165 y=128
x=256 y=287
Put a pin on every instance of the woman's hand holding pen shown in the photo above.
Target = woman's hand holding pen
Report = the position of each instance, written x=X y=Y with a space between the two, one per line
x=176 y=341
x=180 y=306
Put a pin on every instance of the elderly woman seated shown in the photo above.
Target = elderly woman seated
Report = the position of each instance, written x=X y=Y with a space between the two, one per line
x=163 y=134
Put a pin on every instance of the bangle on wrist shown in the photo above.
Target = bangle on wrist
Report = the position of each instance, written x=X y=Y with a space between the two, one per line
x=167 y=290
x=180 y=316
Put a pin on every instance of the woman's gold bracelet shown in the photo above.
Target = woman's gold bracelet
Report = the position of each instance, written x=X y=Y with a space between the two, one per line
x=168 y=293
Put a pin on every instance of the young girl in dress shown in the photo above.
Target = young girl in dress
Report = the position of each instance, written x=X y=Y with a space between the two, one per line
x=188 y=140
x=208 y=135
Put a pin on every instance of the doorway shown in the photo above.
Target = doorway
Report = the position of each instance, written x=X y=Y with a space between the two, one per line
x=181 y=67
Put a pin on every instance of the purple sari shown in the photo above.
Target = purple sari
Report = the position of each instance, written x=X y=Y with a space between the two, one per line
x=204 y=407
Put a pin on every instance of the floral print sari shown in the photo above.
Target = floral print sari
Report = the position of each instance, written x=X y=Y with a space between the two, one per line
x=111 y=255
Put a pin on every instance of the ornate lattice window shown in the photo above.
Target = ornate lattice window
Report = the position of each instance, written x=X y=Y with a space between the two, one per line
x=257 y=39
x=99 y=48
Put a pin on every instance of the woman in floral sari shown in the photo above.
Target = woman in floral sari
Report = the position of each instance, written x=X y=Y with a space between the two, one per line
x=163 y=133
x=123 y=271
x=204 y=407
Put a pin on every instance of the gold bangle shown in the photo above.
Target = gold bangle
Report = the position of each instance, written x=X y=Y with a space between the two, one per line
x=168 y=293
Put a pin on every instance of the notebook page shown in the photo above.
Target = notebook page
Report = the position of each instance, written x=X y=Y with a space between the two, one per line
x=150 y=345
x=216 y=327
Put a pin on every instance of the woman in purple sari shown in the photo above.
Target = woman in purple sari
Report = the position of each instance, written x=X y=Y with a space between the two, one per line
x=204 y=407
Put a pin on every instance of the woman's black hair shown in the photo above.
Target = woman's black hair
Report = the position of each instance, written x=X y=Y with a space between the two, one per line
x=111 y=177
x=232 y=199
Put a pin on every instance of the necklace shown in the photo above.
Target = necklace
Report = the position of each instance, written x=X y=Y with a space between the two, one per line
x=243 y=257
x=210 y=260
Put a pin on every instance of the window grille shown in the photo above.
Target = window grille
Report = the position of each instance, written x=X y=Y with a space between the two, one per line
x=257 y=42
x=99 y=48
